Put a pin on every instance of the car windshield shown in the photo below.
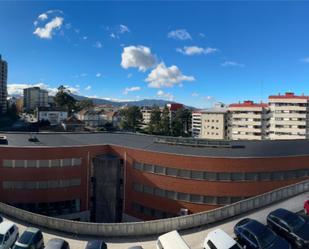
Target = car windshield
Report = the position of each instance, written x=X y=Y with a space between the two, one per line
x=25 y=238
x=266 y=237
x=18 y=247
x=294 y=221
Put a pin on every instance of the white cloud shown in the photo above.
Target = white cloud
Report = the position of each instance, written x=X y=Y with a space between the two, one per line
x=87 y=88
x=163 y=76
x=202 y=35
x=194 y=94
x=123 y=29
x=306 y=60
x=85 y=37
x=129 y=75
x=43 y=17
x=98 y=75
x=232 y=64
x=164 y=95
x=17 y=89
x=47 y=31
x=119 y=30
x=179 y=34
x=194 y=50
x=98 y=44
x=131 y=89
x=137 y=56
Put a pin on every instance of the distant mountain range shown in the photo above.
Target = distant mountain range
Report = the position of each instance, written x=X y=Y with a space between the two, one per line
x=144 y=102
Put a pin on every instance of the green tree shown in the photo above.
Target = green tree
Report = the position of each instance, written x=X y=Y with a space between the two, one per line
x=165 y=123
x=131 y=118
x=85 y=103
x=64 y=99
x=181 y=123
x=154 y=126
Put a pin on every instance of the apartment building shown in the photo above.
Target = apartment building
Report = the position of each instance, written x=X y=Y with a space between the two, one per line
x=146 y=113
x=54 y=115
x=214 y=123
x=197 y=123
x=35 y=97
x=248 y=121
x=289 y=116
x=3 y=85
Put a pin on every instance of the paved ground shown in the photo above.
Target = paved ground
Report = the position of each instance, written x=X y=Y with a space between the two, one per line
x=194 y=237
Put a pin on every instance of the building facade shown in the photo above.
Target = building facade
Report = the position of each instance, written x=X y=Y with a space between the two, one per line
x=35 y=97
x=63 y=175
x=289 y=116
x=214 y=124
x=248 y=121
x=197 y=123
x=54 y=115
x=3 y=85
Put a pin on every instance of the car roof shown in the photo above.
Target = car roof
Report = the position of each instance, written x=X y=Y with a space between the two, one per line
x=221 y=239
x=280 y=213
x=55 y=243
x=94 y=244
x=5 y=226
x=32 y=229
x=253 y=226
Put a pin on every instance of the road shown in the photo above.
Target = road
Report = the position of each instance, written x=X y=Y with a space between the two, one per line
x=194 y=237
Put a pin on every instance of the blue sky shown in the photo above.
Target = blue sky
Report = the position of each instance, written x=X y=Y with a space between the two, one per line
x=192 y=52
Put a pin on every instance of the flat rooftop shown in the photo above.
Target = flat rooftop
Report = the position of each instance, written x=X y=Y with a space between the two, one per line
x=236 y=149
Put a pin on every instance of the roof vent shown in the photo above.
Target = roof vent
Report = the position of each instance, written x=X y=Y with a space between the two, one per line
x=3 y=140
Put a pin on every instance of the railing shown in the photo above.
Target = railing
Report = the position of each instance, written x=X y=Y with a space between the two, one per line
x=198 y=142
x=156 y=226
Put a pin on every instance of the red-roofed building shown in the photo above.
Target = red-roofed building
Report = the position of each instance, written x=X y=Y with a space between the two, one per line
x=248 y=121
x=290 y=117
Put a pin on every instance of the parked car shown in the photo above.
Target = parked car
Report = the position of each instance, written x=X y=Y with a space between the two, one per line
x=57 y=244
x=135 y=247
x=96 y=244
x=219 y=239
x=8 y=234
x=32 y=238
x=306 y=207
x=291 y=226
x=254 y=235
x=1 y=219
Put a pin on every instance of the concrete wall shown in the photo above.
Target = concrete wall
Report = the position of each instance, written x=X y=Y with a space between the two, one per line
x=157 y=226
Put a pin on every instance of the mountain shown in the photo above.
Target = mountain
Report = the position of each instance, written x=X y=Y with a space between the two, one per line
x=144 y=102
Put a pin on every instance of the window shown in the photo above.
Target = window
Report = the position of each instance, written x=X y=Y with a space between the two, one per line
x=148 y=167
x=197 y=175
x=171 y=172
x=211 y=245
x=159 y=170
x=8 y=163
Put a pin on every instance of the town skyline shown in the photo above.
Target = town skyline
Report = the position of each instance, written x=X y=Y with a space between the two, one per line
x=188 y=60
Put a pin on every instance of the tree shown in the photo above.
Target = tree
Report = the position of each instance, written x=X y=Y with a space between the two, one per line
x=85 y=103
x=154 y=126
x=165 y=123
x=64 y=99
x=181 y=123
x=131 y=118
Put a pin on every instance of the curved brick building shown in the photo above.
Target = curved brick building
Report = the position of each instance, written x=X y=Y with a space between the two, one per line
x=113 y=176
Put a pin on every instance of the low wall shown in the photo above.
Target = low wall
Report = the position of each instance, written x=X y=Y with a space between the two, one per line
x=156 y=226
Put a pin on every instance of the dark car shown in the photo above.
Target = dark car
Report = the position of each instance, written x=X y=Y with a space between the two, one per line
x=32 y=238
x=1 y=219
x=255 y=235
x=291 y=226
x=57 y=244
x=96 y=244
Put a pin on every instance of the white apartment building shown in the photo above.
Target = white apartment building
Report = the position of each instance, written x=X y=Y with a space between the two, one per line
x=3 y=85
x=196 y=123
x=146 y=113
x=248 y=121
x=35 y=97
x=54 y=115
x=289 y=116
x=214 y=124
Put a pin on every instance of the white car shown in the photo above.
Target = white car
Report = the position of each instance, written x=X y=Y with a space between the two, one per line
x=218 y=239
x=8 y=234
